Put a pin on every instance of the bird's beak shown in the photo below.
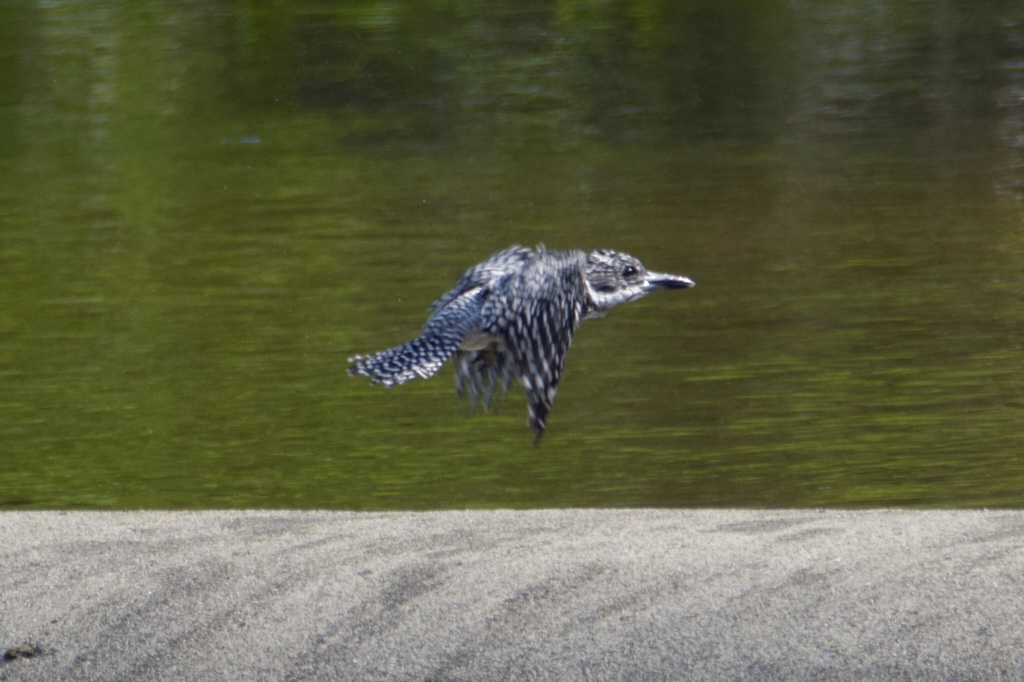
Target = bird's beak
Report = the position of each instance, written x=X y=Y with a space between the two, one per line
x=659 y=280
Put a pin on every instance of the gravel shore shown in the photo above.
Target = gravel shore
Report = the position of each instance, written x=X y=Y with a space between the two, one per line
x=512 y=595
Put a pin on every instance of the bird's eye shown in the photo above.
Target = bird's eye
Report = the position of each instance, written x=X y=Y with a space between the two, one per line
x=629 y=271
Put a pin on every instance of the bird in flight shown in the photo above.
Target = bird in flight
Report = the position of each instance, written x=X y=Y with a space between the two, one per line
x=514 y=315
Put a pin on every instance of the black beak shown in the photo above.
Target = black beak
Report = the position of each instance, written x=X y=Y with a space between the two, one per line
x=658 y=280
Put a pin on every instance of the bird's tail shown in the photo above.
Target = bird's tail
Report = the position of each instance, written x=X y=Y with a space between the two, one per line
x=420 y=357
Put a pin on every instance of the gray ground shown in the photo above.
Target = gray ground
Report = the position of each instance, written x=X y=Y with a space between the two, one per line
x=550 y=595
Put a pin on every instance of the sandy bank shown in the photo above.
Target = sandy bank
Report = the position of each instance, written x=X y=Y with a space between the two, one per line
x=547 y=595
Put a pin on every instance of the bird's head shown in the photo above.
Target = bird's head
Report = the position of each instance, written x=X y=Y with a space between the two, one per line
x=615 y=278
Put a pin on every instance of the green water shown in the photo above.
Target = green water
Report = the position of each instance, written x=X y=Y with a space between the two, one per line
x=206 y=208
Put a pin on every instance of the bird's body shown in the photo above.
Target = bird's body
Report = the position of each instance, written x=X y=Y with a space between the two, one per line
x=514 y=315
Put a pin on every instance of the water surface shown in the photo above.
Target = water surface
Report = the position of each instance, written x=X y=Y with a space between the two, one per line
x=206 y=209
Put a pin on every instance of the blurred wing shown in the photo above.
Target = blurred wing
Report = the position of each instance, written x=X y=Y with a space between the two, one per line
x=484 y=274
x=535 y=316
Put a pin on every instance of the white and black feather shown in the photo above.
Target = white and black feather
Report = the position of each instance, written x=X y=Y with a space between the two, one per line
x=514 y=315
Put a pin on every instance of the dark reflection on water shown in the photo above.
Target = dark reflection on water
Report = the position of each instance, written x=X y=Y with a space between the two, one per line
x=206 y=208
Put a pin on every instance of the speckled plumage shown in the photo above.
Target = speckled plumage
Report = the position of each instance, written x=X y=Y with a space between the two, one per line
x=514 y=315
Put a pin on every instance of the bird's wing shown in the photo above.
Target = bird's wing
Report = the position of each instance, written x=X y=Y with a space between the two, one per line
x=534 y=312
x=480 y=275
